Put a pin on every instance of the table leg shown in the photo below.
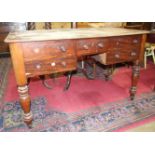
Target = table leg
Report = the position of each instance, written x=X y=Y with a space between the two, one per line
x=135 y=78
x=25 y=104
x=21 y=79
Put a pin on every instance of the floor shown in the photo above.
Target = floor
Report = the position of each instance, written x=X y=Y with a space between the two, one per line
x=149 y=127
x=122 y=84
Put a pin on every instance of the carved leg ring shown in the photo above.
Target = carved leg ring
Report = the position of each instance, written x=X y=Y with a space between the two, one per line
x=25 y=104
x=135 y=77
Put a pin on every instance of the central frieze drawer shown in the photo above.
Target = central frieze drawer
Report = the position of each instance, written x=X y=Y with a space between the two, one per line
x=85 y=47
x=102 y=45
x=47 y=49
x=40 y=67
x=92 y=46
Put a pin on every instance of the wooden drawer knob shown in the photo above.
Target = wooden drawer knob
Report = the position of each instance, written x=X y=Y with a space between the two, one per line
x=135 y=41
x=38 y=66
x=36 y=50
x=117 y=43
x=100 y=45
x=53 y=64
x=133 y=53
x=64 y=63
x=62 y=48
x=85 y=47
x=117 y=56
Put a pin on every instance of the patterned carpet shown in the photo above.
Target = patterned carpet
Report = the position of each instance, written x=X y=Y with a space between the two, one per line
x=5 y=65
x=108 y=117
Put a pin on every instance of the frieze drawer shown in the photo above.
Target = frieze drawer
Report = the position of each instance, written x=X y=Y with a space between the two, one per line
x=120 y=56
x=85 y=47
x=50 y=66
x=125 y=42
x=102 y=45
x=48 y=49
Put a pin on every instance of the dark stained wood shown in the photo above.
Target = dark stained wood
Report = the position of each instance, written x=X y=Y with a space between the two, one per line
x=126 y=42
x=4 y=47
x=85 y=47
x=142 y=49
x=119 y=49
x=5 y=28
x=47 y=49
x=151 y=38
x=48 y=66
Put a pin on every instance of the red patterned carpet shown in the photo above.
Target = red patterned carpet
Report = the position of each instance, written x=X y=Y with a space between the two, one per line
x=84 y=101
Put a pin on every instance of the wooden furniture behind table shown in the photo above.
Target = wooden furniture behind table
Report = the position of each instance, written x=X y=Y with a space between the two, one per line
x=51 y=51
x=151 y=37
x=5 y=28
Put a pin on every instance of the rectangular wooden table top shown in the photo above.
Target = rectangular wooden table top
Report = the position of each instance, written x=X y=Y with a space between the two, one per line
x=60 y=34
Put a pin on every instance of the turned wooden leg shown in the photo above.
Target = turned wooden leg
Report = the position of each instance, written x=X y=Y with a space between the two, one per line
x=25 y=104
x=135 y=78
x=21 y=79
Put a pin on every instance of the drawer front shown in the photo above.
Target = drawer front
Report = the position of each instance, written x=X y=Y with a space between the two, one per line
x=123 y=49
x=121 y=56
x=3 y=36
x=48 y=49
x=40 y=67
x=125 y=42
x=4 y=47
x=85 y=47
x=102 y=45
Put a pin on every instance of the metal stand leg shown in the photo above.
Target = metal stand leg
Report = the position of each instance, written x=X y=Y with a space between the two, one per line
x=42 y=77
x=68 y=81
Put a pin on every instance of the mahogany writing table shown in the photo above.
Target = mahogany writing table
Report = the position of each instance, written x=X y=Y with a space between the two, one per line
x=41 y=52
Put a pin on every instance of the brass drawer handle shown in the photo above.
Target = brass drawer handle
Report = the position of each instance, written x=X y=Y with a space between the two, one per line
x=62 y=48
x=85 y=47
x=117 y=56
x=100 y=45
x=135 y=41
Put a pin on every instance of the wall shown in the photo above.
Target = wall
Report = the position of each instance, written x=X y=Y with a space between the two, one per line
x=40 y=25
x=104 y=24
